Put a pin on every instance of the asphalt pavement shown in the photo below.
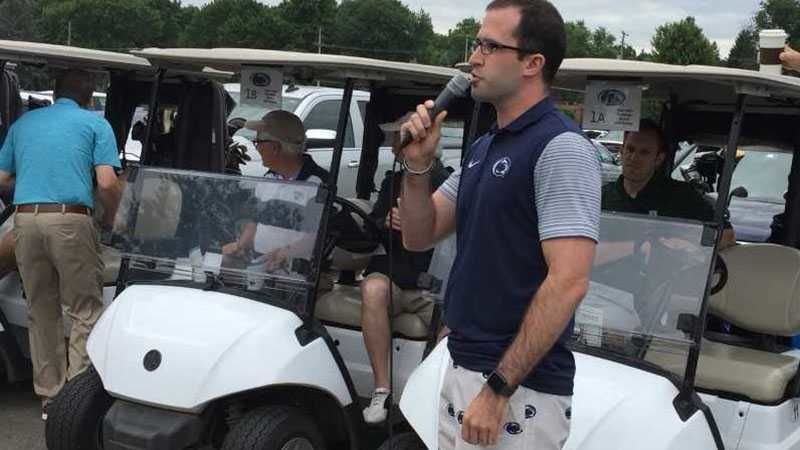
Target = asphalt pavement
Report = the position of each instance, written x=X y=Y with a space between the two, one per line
x=21 y=425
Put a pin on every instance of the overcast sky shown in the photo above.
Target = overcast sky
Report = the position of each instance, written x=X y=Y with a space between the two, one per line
x=721 y=20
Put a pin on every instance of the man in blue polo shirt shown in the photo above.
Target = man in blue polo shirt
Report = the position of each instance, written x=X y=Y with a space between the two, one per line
x=526 y=206
x=56 y=154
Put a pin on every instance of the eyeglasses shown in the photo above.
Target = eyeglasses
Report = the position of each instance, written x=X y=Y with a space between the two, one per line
x=261 y=141
x=489 y=46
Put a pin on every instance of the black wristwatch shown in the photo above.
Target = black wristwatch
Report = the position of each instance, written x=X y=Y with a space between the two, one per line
x=497 y=382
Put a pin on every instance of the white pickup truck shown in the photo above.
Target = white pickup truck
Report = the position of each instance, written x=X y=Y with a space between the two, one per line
x=318 y=108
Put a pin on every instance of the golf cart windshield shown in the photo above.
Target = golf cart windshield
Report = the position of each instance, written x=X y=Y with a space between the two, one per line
x=254 y=234
x=648 y=283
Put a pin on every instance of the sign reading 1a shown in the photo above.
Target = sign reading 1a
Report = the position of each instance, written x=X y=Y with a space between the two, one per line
x=598 y=117
x=612 y=105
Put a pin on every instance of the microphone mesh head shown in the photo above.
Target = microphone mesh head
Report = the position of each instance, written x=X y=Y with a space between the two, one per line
x=459 y=85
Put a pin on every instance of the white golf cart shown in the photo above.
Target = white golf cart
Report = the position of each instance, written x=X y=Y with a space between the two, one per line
x=201 y=350
x=650 y=373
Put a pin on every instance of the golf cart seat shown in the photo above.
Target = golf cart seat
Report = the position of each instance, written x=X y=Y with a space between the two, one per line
x=111 y=259
x=342 y=306
x=762 y=295
x=153 y=195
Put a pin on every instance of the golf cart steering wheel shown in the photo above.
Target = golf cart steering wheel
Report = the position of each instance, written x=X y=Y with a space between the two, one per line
x=721 y=269
x=345 y=232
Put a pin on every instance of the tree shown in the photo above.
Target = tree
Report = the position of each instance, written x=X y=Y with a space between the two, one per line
x=18 y=19
x=102 y=24
x=174 y=19
x=455 y=47
x=579 y=40
x=236 y=23
x=381 y=28
x=683 y=43
x=744 y=50
x=600 y=43
x=784 y=14
x=308 y=18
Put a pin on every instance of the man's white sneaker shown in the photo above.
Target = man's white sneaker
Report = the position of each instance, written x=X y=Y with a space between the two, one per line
x=378 y=409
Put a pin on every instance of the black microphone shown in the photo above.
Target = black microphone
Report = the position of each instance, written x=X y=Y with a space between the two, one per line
x=457 y=87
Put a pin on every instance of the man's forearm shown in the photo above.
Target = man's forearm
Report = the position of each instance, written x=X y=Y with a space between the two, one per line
x=417 y=213
x=549 y=313
x=110 y=199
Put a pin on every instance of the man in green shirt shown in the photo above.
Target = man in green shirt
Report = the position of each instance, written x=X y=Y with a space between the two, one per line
x=644 y=189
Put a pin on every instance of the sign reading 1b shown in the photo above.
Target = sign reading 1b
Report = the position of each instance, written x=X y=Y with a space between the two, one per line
x=262 y=87
x=612 y=106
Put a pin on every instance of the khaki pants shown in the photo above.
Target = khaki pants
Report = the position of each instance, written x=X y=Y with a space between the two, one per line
x=533 y=420
x=60 y=265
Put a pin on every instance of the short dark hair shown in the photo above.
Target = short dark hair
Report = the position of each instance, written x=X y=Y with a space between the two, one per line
x=650 y=126
x=540 y=30
x=75 y=84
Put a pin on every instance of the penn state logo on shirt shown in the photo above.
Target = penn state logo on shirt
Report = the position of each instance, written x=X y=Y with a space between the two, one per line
x=501 y=167
x=513 y=428
x=530 y=411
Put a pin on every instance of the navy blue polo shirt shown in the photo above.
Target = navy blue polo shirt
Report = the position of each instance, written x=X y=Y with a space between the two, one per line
x=536 y=179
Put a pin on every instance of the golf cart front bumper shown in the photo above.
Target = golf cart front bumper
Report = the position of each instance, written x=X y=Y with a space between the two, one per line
x=129 y=426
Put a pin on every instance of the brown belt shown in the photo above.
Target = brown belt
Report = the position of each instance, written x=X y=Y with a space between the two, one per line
x=53 y=208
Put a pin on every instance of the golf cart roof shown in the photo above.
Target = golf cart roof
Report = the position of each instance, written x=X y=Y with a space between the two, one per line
x=63 y=56
x=711 y=84
x=300 y=65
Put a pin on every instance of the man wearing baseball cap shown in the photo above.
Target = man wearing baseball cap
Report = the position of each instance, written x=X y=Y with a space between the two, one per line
x=281 y=142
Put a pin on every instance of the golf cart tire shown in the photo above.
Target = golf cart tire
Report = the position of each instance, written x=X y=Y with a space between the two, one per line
x=271 y=427
x=403 y=441
x=77 y=410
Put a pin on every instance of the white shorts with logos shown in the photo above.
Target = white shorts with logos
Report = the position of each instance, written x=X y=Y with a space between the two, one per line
x=533 y=421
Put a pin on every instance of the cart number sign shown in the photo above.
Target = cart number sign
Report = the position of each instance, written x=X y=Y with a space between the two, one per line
x=262 y=87
x=612 y=106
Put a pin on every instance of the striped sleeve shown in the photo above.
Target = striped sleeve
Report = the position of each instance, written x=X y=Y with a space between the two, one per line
x=450 y=187
x=567 y=187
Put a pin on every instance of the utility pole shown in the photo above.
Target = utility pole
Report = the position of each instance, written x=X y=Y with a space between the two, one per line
x=622 y=46
x=466 y=48
x=319 y=40
x=69 y=33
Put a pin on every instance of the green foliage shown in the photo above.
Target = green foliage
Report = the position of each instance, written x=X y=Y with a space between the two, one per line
x=455 y=47
x=236 y=23
x=381 y=28
x=308 y=18
x=744 y=50
x=600 y=43
x=683 y=43
x=18 y=19
x=103 y=24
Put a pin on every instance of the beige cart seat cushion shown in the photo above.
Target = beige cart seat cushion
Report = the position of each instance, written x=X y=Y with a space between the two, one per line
x=111 y=258
x=763 y=289
x=157 y=215
x=758 y=375
x=342 y=306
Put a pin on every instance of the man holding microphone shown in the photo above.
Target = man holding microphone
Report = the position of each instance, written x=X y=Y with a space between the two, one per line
x=526 y=206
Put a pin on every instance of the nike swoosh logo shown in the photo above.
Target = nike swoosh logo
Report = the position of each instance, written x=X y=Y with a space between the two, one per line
x=473 y=164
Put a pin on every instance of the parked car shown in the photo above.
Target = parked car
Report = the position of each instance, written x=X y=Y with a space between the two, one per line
x=611 y=139
x=318 y=108
x=763 y=172
x=36 y=98
x=609 y=163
